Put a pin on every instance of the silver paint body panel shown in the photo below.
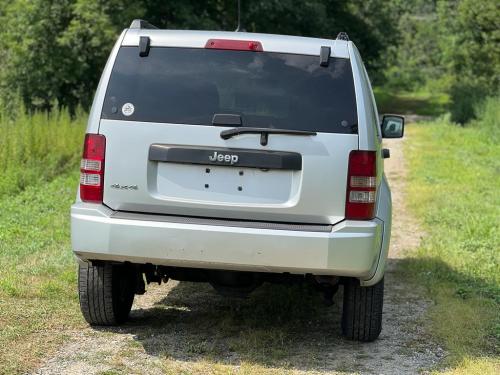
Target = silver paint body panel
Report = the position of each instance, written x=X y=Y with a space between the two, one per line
x=357 y=249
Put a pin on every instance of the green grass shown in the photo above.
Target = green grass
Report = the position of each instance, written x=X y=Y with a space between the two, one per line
x=37 y=284
x=38 y=148
x=421 y=103
x=37 y=279
x=453 y=189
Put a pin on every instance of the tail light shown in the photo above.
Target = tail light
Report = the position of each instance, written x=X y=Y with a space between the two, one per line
x=361 y=185
x=92 y=168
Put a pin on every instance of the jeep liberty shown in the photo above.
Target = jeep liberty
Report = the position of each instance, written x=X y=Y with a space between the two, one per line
x=233 y=158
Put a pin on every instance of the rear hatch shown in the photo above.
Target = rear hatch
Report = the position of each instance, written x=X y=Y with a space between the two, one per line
x=164 y=113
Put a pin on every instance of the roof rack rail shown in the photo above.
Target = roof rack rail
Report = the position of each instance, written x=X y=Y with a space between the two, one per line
x=343 y=36
x=141 y=24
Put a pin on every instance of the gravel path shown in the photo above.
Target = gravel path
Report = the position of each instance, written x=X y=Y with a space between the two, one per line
x=188 y=328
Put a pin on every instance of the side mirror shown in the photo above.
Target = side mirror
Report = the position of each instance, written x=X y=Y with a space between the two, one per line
x=393 y=126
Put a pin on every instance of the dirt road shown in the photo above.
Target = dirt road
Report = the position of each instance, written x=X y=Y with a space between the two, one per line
x=188 y=328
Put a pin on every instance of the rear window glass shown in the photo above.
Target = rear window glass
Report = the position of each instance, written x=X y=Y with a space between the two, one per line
x=269 y=90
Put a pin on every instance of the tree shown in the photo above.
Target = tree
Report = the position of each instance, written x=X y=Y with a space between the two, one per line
x=470 y=45
x=414 y=59
x=452 y=46
x=31 y=59
x=87 y=41
x=55 y=50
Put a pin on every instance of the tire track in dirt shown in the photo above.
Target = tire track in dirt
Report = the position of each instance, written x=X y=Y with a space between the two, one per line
x=188 y=327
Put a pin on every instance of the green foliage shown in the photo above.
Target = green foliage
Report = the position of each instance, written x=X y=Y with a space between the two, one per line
x=30 y=59
x=488 y=117
x=423 y=103
x=87 y=39
x=471 y=48
x=38 y=147
x=56 y=50
x=451 y=47
x=414 y=58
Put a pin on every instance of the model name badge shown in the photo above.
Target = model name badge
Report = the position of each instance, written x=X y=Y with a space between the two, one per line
x=124 y=187
x=224 y=158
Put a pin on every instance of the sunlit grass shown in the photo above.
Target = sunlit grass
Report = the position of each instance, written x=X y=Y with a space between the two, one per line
x=38 y=279
x=453 y=190
x=475 y=366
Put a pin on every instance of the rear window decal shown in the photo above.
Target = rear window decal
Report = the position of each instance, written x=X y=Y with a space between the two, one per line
x=128 y=109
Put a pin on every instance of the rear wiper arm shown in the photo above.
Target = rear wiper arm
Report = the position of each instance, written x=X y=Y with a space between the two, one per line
x=264 y=133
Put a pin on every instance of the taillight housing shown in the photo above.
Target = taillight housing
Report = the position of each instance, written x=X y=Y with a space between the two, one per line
x=236 y=45
x=92 y=168
x=361 y=185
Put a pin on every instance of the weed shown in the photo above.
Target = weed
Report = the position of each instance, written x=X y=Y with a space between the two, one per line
x=37 y=148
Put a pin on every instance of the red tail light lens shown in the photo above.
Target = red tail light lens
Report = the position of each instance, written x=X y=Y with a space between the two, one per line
x=361 y=185
x=92 y=168
x=238 y=45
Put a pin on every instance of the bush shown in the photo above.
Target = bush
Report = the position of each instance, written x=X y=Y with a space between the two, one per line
x=464 y=100
x=38 y=147
x=488 y=117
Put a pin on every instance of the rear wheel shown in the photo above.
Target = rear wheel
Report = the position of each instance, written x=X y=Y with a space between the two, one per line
x=362 y=311
x=106 y=292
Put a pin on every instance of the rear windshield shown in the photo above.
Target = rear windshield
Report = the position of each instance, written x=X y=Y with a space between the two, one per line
x=269 y=90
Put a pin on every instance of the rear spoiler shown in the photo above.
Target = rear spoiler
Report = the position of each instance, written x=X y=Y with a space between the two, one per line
x=141 y=24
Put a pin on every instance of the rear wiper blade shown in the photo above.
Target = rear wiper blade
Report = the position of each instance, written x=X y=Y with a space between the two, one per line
x=264 y=133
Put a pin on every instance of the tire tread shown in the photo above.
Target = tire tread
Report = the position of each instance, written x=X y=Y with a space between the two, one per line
x=362 y=311
x=99 y=293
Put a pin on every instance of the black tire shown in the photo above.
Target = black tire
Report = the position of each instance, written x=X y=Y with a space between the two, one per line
x=106 y=293
x=362 y=311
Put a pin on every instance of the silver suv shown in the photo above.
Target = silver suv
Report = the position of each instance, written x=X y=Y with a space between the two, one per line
x=235 y=159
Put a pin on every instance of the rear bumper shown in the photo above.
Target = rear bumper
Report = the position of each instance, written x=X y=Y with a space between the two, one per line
x=351 y=248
